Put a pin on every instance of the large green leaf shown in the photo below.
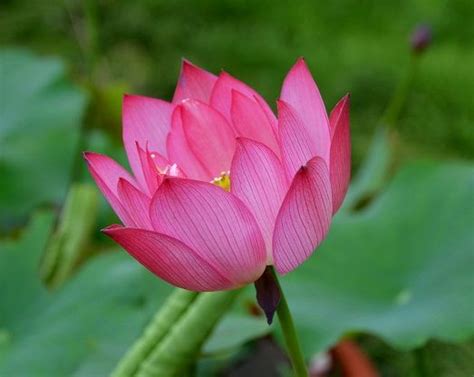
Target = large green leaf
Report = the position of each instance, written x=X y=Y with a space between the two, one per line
x=401 y=268
x=435 y=359
x=235 y=330
x=40 y=115
x=373 y=173
x=83 y=328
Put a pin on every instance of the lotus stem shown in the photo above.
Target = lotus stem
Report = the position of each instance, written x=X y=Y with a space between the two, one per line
x=289 y=333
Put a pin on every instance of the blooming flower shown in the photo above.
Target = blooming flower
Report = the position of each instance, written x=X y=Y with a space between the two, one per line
x=221 y=188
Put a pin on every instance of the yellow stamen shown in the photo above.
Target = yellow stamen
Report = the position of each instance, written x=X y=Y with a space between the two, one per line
x=223 y=180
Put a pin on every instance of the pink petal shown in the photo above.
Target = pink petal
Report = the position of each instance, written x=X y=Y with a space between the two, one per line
x=106 y=173
x=250 y=121
x=179 y=151
x=340 y=163
x=212 y=222
x=295 y=143
x=209 y=136
x=301 y=92
x=136 y=203
x=146 y=121
x=169 y=259
x=221 y=98
x=258 y=179
x=267 y=110
x=149 y=169
x=304 y=217
x=194 y=82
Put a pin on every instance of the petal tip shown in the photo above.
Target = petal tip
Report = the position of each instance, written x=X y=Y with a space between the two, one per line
x=89 y=156
x=284 y=107
x=236 y=95
x=346 y=99
x=109 y=230
x=225 y=74
x=300 y=64
x=241 y=140
x=85 y=155
x=187 y=66
x=128 y=97
x=281 y=104
x=121 y=182
x=301 y=60
x=303 y=169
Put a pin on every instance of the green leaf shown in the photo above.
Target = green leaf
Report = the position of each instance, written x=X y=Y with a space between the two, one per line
x=401 y=269
x=373 y=172
x=39 y=128
x=435 y=359
x=234 y=331
x=20 y=288
x=83 y=328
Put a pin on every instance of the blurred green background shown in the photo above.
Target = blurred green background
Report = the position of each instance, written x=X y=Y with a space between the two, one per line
x=357 y=46
x=64 y=68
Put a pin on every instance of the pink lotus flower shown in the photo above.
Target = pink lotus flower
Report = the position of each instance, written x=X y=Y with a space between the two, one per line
x=221 y=188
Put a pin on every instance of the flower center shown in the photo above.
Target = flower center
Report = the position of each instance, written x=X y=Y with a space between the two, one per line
x=223 y=180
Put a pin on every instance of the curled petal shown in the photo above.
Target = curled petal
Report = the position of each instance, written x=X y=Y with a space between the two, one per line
x=304 y=217
x=212 y=222
x=136 y=203
x=209 y=136
x=146 y=121
x=300 y=91
x=340 y=162
x=169 y=259
x=107 y=173
x=295 y=143
x=258 y=179
x=194 y=82
x=221 y=98
x=150 y=170
x=179 y=151
x=250 y=121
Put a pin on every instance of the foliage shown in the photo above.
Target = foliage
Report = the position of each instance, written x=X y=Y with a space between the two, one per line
x=352 y=46
x=81 y=329
x=40 y=119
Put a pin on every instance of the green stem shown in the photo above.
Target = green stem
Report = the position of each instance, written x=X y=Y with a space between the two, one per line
x=172 y=340
x=289 y=333
x=400 y=95
x=179 y=349
x=170 y=313
x=422 y=364
x=92 y=35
